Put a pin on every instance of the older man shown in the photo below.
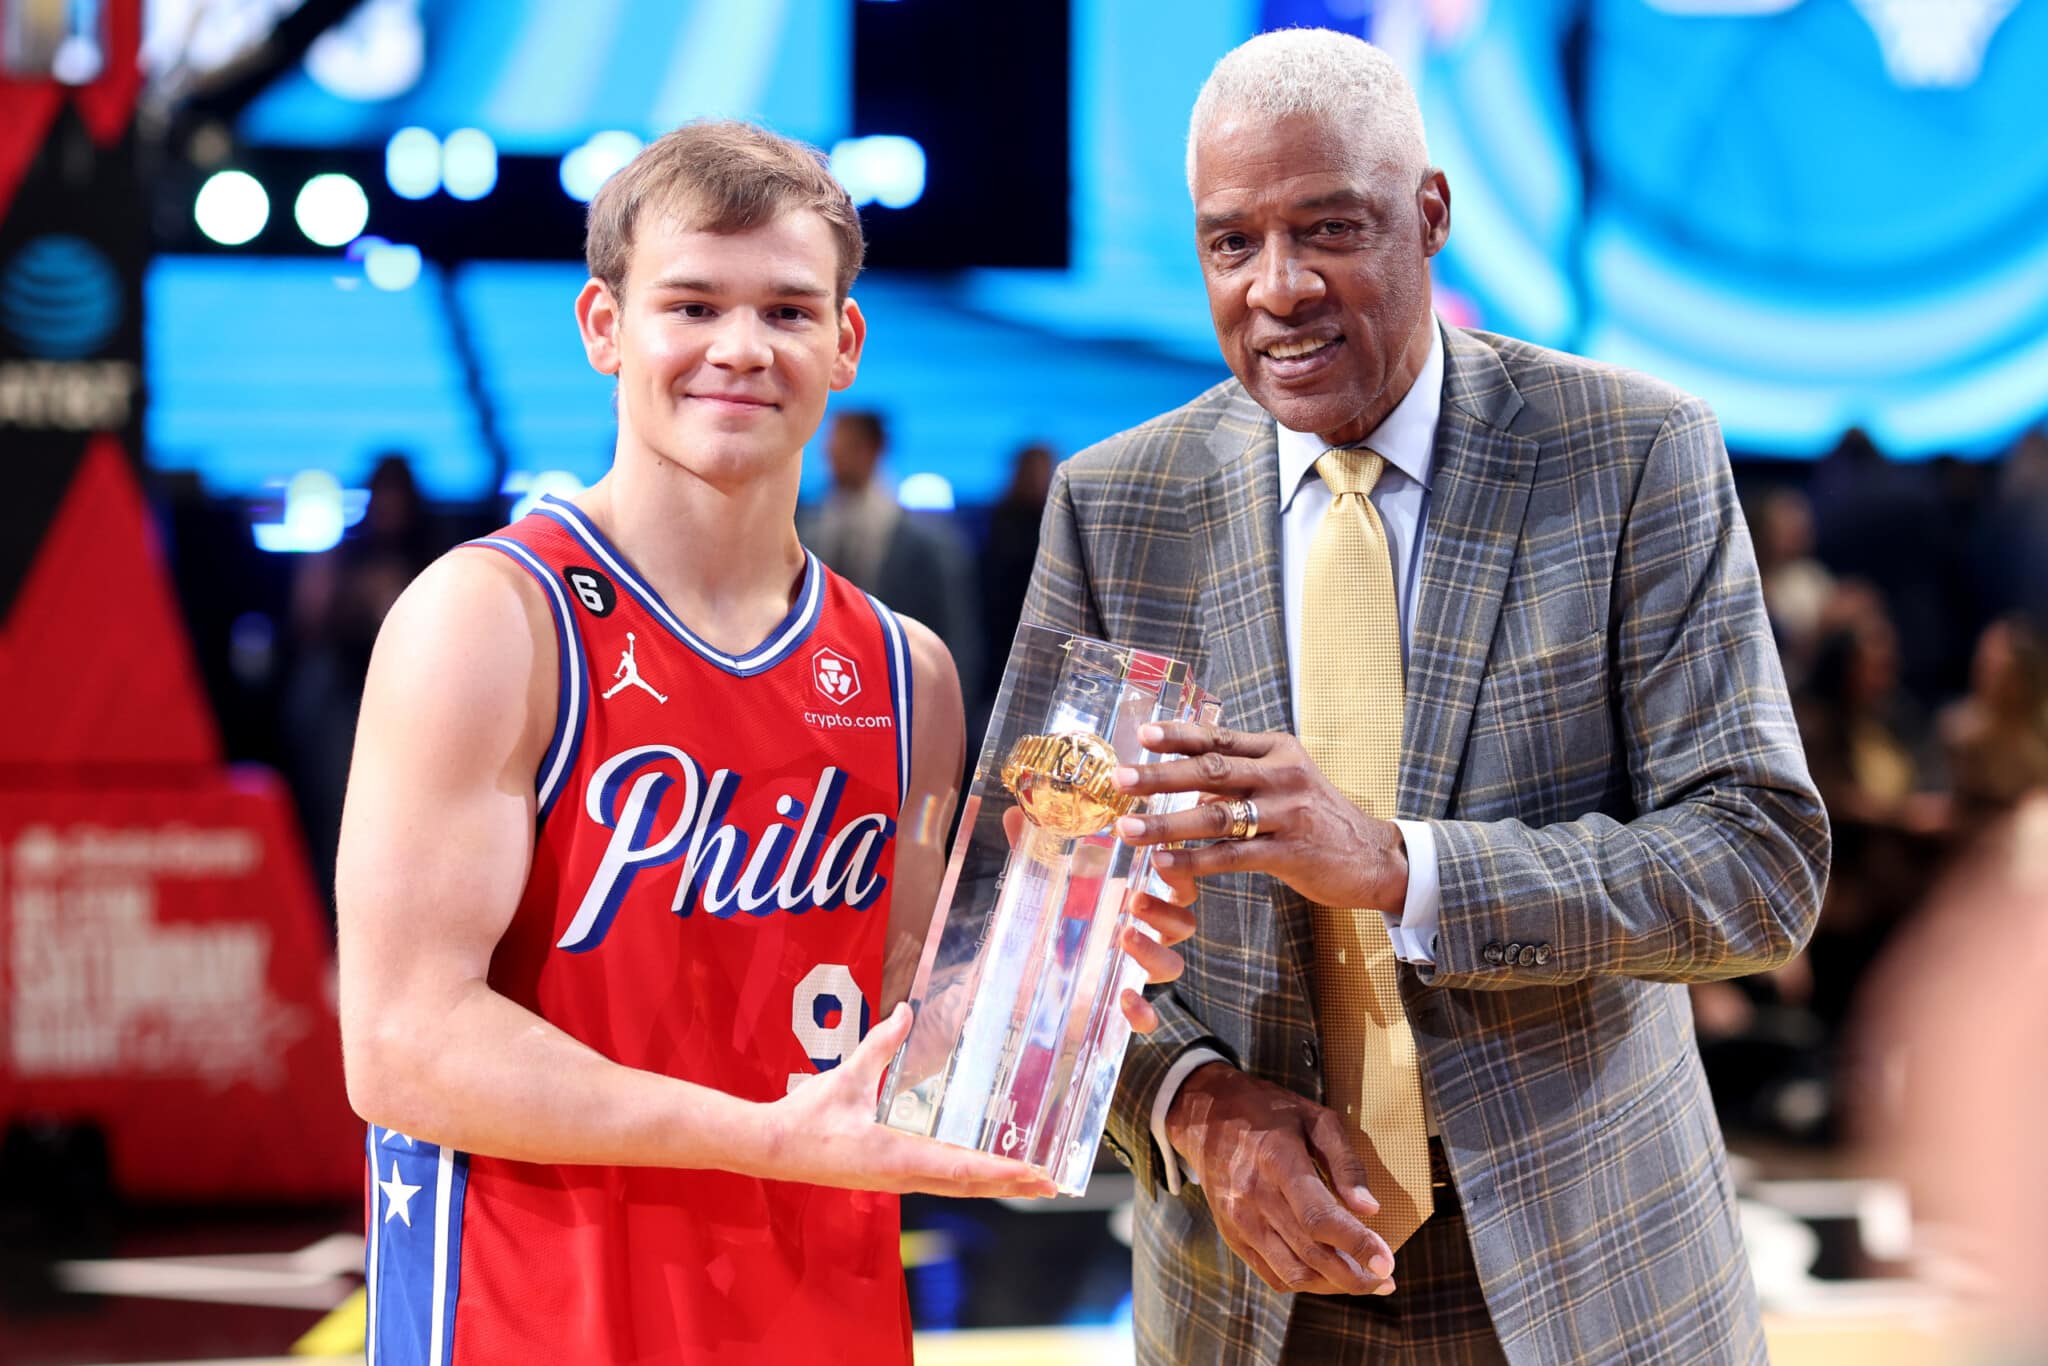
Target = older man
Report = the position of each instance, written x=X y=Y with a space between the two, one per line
x=1511 y=762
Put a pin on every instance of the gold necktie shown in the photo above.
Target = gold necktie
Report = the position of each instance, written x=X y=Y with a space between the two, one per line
x=1351 y=706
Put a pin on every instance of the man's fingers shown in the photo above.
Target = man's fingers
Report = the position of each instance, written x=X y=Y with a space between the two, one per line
x=1161 y=963
x=1171 y=921
x=1144 y=1019
x=1213 y=773
x=1329 y=1238
x=1331 y=1145
x=1188 y=737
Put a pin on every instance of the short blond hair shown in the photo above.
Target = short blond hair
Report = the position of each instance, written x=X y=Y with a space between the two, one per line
x=718 y=175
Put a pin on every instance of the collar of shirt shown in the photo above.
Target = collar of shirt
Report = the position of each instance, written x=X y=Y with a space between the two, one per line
x=1406 y=438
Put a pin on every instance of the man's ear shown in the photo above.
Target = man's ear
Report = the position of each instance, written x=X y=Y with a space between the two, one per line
x=1434 y=199
x=853 y=335
x=598 y=317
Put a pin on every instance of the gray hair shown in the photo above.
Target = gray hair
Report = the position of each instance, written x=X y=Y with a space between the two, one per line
x=1334 y=76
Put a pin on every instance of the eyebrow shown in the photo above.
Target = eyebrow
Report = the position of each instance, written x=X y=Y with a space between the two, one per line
x=1209 y=222
x=781 y=289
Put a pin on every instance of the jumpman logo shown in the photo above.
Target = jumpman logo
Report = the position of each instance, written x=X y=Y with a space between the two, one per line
x=628 y=674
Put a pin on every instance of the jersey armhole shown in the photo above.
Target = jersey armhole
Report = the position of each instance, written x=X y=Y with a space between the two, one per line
x=572 y=675
x=896 y=646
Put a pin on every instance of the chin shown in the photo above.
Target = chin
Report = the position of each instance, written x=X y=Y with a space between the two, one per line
x=1308 y=412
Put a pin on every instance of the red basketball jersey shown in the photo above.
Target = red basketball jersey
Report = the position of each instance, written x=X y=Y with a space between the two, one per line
x=709 y=899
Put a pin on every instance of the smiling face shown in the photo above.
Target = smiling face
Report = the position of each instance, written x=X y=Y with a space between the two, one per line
x=1314 y=252
x=725 y=345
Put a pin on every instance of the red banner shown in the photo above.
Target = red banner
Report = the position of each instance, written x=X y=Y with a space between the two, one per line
x=164 y=970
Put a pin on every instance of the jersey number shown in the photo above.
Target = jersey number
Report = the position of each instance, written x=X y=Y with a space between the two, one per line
x=829 y=1017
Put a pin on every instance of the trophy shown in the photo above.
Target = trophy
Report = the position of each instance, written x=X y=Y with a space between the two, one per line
x=1018 y=1033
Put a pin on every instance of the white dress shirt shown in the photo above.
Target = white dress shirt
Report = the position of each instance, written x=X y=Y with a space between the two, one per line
x=1407 y=441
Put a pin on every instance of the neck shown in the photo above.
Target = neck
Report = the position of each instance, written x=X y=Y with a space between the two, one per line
x=725 y=557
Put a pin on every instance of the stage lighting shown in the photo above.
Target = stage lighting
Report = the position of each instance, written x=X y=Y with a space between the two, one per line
x=331 y=210
x=469 y=163
x=412 y=163
x=312 y=517
x=392 y=266
x=231 y=208
x=885 y=169
x=587 y=167
x=532 y=485
x=926 y=493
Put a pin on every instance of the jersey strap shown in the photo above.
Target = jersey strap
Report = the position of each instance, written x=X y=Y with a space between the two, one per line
x=572 y=672
x=896 y=645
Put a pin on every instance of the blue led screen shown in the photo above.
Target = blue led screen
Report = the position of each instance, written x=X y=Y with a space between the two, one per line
x=540 y=76
x=1817 y=214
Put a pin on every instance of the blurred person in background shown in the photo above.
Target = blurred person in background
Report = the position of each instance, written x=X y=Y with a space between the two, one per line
x=1012 y=548
x=1995 y=739
x=621 y=1103
x=339 y=600
x=1507 y=594
x=1867 y=741
x=1796 y=585
x=1951 y=1029
x=1872 y=757
x=913 y=562
x=2013 y=552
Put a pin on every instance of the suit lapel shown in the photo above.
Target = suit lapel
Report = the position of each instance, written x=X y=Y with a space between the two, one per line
x=1479 y=490
x=1234 y=522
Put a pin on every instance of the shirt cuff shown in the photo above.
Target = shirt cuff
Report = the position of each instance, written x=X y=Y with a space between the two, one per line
x=1169 y=1087
x=1414 y=933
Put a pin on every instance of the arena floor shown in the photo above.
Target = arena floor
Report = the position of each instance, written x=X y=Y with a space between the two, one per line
x=1833 y=1255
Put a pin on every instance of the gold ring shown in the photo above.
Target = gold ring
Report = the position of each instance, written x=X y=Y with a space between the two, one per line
x=1063 y=782
x=1244 y=817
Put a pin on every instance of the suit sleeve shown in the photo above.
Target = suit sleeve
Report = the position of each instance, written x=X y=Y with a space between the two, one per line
x=1721 y=871
x=1060 y=598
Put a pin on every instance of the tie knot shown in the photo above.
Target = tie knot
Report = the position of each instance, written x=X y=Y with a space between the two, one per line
x=1350 y=469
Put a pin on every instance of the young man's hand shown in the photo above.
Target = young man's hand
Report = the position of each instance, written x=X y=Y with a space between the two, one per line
x=825 y=1133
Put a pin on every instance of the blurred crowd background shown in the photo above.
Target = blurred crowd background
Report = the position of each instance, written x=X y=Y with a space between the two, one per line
x=300 y=275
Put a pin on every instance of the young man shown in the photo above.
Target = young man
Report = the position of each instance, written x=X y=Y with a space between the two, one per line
x=643 y=831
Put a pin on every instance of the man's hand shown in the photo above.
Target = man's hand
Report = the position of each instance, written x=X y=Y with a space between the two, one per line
x=1310 y=836
x=1287 y=1192
x=825 y=1132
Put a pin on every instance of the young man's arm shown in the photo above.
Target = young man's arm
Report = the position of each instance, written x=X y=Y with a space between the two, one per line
x=436 y=842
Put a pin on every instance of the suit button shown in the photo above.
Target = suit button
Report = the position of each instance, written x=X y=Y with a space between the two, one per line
x=1310 y=1058
x=1528 y=959
x=1542 y=953
x=1512 y=954
x=1492 y=954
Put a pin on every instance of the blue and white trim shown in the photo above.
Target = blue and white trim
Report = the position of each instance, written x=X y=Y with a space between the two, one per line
x=413 y=1255
x=897 y=647
x=782 y=641
x=572 y=693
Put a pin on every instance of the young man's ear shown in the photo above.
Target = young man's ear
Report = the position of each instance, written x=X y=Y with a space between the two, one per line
x=597 y=318
x=853 y=335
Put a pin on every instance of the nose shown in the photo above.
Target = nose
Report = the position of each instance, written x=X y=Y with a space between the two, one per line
x=1283 y=283
x=743 y=342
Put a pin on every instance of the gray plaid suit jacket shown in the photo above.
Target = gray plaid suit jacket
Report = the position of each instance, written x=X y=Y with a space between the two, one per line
x=1597 y=722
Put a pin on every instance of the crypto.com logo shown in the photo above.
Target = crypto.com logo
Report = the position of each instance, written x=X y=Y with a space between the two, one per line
x=835 y=676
